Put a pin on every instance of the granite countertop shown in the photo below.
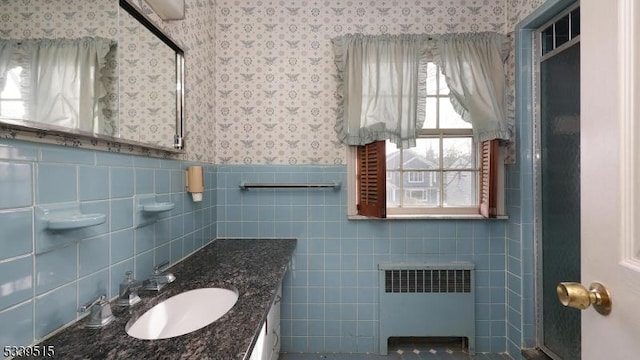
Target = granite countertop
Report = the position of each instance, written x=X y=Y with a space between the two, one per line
x=254 y=268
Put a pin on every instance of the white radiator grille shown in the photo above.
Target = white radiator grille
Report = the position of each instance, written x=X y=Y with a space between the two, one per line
x=425 y=300
x=427 y=281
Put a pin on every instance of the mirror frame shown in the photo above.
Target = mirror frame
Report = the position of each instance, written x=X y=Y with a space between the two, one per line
x=178 y=141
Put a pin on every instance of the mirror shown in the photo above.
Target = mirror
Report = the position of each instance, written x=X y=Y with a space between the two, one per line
x=90 y=68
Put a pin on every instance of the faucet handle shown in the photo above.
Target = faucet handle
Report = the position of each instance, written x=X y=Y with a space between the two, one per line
x=128 y=295
x=100 y=312
x=157 y=269
x=160 y=278
x=129 y=279
x=99 y=300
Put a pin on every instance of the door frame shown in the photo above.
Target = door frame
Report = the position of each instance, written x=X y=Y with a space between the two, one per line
x=527 y=113
x=538 y=59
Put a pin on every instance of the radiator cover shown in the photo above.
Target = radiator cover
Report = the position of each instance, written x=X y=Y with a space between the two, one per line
x=427 y=300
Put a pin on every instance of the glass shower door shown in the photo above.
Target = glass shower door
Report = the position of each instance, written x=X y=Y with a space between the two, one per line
x=559 y=222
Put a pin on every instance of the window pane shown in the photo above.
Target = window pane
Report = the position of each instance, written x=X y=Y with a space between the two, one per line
x=12 y=84
x=444 y=89
x=12 y=105
x=393 y=156
x=430 y=121
x=458 y=153
x=421 y=194
x=575 y=23
x=436 y=82
x=432 y=83
x=460 y=189
x=562 y=30
x=547 y=40
x=416 y=177
x=13 y=109
x=393 y=189
x=449 y=118
x=426 y=155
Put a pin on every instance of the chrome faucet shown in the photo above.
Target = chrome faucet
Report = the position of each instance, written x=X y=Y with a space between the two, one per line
x=100 y=312
x=159 y=279
x=128 y=295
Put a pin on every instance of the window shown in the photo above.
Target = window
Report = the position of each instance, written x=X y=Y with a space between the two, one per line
x=561 y=32
x=441 y=175
x=11 y=103
x=54 y=81
x=416 y=177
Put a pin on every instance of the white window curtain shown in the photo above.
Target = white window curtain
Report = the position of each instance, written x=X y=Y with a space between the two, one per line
x=473 y=65
x=381 y=88
x=381 y=84
x=61 y=81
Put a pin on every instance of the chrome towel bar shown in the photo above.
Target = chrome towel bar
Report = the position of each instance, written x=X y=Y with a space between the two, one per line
x=333 y=185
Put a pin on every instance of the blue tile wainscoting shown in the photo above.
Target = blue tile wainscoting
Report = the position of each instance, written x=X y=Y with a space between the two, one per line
x=330 y=300
x=330 y=296
x=45 y=276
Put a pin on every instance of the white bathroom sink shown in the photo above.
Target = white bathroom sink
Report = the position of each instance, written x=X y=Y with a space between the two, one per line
x=183 y=313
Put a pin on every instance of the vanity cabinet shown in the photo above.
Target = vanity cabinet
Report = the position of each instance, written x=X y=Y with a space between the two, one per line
x=267 y=346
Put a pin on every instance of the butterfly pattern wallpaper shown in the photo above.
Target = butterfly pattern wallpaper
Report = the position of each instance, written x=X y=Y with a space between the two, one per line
x=260 y=77
x=147 y=69
x=275 y=77
x=275 y=72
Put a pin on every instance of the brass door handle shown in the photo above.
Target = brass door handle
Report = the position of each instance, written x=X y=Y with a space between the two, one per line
x=575 y=295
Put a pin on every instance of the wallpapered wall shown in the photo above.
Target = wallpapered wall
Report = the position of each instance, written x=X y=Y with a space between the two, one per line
x=196 y=34
x=36 y=19
x=264 y=90
x=275 y=101
x=519 y=9
x=147 y=84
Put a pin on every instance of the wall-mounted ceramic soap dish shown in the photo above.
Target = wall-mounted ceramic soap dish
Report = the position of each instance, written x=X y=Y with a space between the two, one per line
x=158 y=207
x=69 y=217
x=148 y=209
x=75 y=221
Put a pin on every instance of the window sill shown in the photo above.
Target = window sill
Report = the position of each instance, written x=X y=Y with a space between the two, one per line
x=429 y=217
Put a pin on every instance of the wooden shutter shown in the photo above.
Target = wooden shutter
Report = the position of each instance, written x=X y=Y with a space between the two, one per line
x=372 y=180
x=488 y=178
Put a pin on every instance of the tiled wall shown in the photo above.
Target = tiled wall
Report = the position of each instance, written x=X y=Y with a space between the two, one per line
x=45 y=276
x=275 y=105
x=271 y=94
x=521 y=277
x=330 y=300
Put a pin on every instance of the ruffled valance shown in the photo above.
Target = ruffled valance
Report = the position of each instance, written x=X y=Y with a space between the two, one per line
x=382 y=84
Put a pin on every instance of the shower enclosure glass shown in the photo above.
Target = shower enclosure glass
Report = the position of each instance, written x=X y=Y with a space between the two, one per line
x=559 y=192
